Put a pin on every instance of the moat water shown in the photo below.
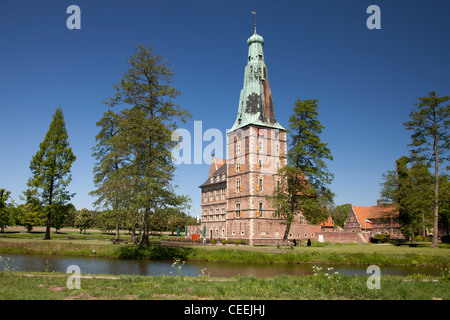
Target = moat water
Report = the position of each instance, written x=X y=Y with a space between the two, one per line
x=97 y=265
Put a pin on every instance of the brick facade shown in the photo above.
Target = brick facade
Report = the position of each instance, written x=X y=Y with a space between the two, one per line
x=379 y=219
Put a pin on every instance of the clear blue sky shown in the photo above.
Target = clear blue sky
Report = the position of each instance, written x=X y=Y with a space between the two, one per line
x=366 y=81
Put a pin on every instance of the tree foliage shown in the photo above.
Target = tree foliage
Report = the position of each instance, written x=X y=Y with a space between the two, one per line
x=430 y=140
x=5 y=213
x=304 y=186
x=339 y=214
x=50 y=168
x=83 y=219
x=134 y=171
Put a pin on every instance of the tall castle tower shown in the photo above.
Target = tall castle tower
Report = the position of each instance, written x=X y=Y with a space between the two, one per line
x=256 y=149
x=234 y=197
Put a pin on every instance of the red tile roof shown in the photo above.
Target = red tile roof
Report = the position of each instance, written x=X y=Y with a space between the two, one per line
x=362 y=213
x=327 y=223
x=372 y=213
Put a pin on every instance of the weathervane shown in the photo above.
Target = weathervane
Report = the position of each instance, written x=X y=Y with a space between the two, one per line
x=254 y=12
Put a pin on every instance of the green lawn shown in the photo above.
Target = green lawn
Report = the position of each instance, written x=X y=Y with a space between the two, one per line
x=14 y=285
x=54 y=287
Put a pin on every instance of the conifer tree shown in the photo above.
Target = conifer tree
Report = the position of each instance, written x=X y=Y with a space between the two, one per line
x=304 y=186
x=112 y=190
x=411 y=191
x=50 y=168
x=430 y=140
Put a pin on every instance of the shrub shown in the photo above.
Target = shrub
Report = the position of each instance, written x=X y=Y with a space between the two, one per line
x=422 y=239
x=381 y=238
x=155 y=252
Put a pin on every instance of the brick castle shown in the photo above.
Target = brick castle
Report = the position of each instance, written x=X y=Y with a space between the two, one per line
x=234 y=203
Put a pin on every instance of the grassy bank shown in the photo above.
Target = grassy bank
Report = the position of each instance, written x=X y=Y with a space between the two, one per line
x=46 y=286
x=336 y=254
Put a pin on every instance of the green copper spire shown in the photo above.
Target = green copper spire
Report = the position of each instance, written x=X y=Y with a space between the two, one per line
x=255 y=103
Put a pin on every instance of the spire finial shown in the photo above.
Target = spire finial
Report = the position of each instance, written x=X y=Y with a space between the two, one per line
x=254 y=12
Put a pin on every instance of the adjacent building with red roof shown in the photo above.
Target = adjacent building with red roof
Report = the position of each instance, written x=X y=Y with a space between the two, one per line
x=374 y=220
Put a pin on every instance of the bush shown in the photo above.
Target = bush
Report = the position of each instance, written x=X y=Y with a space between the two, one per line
x=381 y=238
x=155 y=252
x=422 y=239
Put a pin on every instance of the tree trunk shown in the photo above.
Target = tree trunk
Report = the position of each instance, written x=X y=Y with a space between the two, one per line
x=286 y=231
x=424 y=233
x=117 y=230
x=436 y=196
x=145 y=242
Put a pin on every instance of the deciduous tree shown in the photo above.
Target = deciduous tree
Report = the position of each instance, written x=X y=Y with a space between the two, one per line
x=5 y=215
x=143 y=141
x=83 y=219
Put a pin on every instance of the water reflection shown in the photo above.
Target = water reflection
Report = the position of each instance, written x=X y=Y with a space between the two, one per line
x=94 y=265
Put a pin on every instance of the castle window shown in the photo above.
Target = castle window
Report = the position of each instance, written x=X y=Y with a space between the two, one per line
x=260 y=184
x=260 y=210
x=238 y=210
